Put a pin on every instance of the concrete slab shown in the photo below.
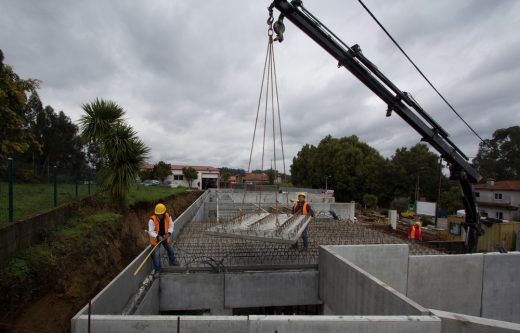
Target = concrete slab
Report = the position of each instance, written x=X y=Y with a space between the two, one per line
x=387 y=262
x=447 y=282
x=261 y=289
x=349 y=290
x=456 y=322
x=342 y=324
x=501 y=290
x=263 y=226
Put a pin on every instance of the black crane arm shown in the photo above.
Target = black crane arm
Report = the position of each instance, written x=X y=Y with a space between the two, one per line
x=398 y=101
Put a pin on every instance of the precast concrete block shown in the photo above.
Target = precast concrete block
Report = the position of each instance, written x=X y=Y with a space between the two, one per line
x=387 y=262
x=447 y=282
x=150 y=303
x=196 y=291
x=501 y=287
x=341 y=324
x=278 y=288
x=392 y=218
x=347 y=289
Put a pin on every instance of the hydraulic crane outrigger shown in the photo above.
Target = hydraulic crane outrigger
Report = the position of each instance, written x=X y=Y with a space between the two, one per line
x=398 y=101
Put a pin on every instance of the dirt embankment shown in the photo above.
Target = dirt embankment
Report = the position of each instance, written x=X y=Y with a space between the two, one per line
x=48 y=284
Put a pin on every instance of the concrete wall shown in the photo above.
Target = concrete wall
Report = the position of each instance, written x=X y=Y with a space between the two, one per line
x=455 y=322
x=113 y=298
x=501 y=287
x=220 y=293
x=260 y=324
x=447 y=282
x=347 y=289
x=189 y=213
x=150 y=303
x=278 y=288
x=21 y=234
x=388 y=263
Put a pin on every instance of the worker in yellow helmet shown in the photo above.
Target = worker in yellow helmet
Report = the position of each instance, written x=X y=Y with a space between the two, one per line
x=302 y=207
x=160 y=229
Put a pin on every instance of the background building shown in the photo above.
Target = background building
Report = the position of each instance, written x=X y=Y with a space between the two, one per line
x=499 y=199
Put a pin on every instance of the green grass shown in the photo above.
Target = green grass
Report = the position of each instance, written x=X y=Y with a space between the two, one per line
x=140 y=193
x=32 y=199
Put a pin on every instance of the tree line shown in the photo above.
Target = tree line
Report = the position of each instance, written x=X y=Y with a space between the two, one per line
x=33 y=133
x=356 y=171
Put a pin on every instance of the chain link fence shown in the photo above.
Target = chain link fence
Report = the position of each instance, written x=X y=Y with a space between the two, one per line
x=27 y=189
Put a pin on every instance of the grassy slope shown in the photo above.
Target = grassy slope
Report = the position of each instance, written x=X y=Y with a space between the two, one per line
x=31 y=199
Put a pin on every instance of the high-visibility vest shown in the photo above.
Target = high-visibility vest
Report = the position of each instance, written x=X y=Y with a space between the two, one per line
x=305 y=208
x=415 y=232
x=155 y=220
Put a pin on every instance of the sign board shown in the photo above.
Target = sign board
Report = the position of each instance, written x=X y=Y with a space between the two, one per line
x=426 y=208
x=328 y=193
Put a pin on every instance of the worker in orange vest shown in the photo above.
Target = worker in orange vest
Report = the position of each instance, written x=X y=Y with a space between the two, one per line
x=160 y=229
x=415 y=232
x=302 y=207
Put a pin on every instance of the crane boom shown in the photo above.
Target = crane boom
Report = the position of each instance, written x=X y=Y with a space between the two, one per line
x=398 y=101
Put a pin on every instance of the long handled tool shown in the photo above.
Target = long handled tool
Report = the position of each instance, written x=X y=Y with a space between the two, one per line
x=148 y=256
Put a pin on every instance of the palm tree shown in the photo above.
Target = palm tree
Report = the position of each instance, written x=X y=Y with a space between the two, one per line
x=121 y=150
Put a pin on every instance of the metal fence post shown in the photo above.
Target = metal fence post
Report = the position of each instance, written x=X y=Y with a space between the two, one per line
x=77 y=180
x=55 y=172
x=10 y=188
x=88 y=181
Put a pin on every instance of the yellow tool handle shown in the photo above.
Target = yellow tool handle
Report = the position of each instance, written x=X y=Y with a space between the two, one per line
x=147 y=256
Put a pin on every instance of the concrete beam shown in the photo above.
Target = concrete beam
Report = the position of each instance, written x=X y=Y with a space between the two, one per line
x=150 y=303
x=447 y=282
x=456 y=322
x=341 y=324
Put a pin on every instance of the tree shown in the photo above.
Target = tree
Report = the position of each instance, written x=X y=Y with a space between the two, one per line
x=451 y=201
x=225 y=176
x=499 y=157
x=15 y=136
x=190 y=174
x=162 y=170
x=353 y=166
x=370 y=200
x=121 y=150
x=414 y=167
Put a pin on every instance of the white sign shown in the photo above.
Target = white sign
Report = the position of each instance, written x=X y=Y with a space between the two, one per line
x=426 y=208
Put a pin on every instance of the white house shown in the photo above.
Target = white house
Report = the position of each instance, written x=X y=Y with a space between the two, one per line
x=207 y=177
x=499 y=199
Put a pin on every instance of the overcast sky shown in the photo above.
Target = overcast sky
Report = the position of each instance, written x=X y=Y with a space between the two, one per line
x=188 y=72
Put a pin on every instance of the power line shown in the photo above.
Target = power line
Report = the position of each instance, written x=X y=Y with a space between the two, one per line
x=417 y=68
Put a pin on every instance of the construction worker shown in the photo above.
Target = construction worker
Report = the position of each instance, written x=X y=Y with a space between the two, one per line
x=160 y=229
x=415 y=232
x=302 y=207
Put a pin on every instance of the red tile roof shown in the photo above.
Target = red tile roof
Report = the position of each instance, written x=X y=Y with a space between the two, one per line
x=196 y=167
x=259 y=177
x=505 y=185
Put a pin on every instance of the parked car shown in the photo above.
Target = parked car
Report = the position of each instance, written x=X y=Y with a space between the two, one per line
x=150 y=182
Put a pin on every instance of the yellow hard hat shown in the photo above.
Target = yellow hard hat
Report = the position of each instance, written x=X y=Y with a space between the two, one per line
x=302 y=193
x=160 y=209
x=417 y=223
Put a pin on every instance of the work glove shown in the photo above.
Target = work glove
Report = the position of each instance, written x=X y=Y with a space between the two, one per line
x=160 y=238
